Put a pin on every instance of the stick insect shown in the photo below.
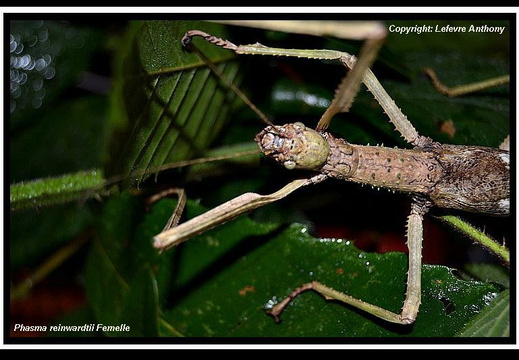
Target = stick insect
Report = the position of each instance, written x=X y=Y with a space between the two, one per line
x=468 y=178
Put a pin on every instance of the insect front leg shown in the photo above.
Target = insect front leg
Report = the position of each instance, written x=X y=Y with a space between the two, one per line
x=413 y=291
x=229 y=210
x=348 y=87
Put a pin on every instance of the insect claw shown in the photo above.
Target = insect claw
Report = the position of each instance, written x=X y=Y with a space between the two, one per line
x=274 y=315
x=186 y=40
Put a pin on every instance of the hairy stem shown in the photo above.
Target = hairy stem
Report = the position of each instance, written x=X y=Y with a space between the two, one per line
x=479 y=236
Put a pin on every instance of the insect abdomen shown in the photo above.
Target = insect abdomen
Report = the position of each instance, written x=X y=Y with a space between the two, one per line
x=477 y=179
x=397 y=169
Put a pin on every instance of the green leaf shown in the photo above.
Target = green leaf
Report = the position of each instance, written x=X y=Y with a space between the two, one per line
x=166 y=104
x=493 y=321
x=106 y=294
x=232 y=302
x=142 y=307
x=107 y=288
x=126 y=278
x=222 y=282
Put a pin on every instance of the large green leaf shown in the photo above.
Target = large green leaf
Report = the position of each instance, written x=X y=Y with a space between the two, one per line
x=234 y=308
x=166 y=105
x=493 y=321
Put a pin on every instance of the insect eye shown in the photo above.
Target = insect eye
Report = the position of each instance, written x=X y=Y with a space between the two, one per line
x=299 y=125
x=289 y=164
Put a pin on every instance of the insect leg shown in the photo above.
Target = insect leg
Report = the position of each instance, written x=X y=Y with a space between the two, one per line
x=225 y=212
x=464 y=89
x=412 y=300
x=413 y=292
x=347 y=89
x=181 y=204
x=350 y=84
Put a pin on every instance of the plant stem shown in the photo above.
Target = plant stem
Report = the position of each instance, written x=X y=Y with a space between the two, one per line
x=479 y=236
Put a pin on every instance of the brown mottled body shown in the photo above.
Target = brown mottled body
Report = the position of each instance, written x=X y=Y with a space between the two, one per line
x=475 y=179
x=467 y=178
x=415 y=171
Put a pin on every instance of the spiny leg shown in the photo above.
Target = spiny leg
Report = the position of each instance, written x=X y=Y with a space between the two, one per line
x=419 y=208
x=347 y=90
x=350 y=84
x=396 y=117
x=413 y=291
